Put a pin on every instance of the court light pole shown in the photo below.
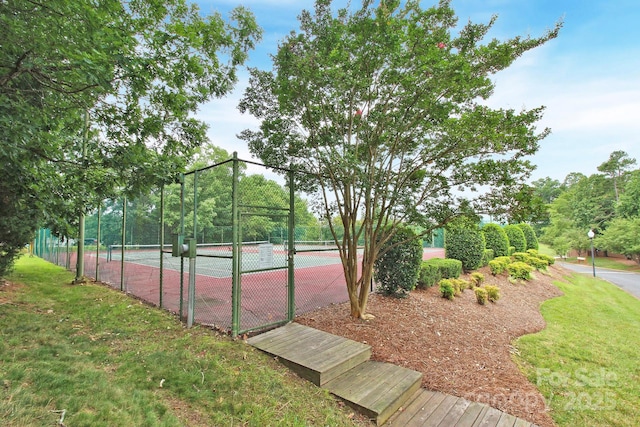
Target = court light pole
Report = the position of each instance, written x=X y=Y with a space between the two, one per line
x=591 y=235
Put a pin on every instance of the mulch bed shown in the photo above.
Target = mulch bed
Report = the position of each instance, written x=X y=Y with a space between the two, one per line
x=463 y=348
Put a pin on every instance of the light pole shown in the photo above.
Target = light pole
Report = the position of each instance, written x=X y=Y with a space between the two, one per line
x=591 y=235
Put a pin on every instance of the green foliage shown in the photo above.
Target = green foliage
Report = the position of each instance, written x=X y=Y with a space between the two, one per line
x=512 y=250
x=516 y=237
x=499 y=265
x=396 y=269
x=487 y=256
x=344 y=97
x=466 y=245
x=447 y=289
x=97 y=99
x=481 y=295
x=549 y=259
x=496 y=239
x=449 y=268
x=493 y=293
x=477 y=278
x=622 y=236
x=529 y=235
x=429 y=275
x=520 y=270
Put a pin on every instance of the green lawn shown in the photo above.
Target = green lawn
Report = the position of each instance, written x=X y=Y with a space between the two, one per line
x=586 y=361
x=106 y=359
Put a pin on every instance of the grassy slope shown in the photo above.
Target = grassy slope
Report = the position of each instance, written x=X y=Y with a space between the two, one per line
x=586 y=362
x=109 y=360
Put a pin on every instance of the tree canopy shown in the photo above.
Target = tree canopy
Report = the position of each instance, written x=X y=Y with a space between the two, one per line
x=98 y=97
x=383 y=107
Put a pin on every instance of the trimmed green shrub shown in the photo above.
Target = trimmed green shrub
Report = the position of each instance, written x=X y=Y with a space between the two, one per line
x=512 y=250
x=396 y=269
x=534 y=253
x=429 y=275
x=520 y=270
x=499 y=265
x=466 y=245
x=529 y=235
x=481 y=295
x=495 y=238
x=487 y=256
x=493 y=293
x=535 y=261
x=447 y=289
x=449 y=268
x=477 y=278
x=516 y=237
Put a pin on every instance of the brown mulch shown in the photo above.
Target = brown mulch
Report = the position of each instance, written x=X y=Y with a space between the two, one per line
x=461 y=347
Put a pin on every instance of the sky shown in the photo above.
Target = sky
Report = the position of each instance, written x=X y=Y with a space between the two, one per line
x=588 y=78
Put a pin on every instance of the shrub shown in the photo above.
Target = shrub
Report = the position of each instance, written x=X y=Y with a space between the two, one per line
x=477 y=278
x=534 y=253
x=522 y=257
x=447 y=289
x=520 y=270
x=466 y=245
x=496 y=239
x=481 y=295
x=529 y=235
x=487 y=256
x=396 y=269
x=512 y=250
x=429 y=275
x=493 y=293
x=516 y=237
x=535 y=261
x=449 y=268
x=499 y=265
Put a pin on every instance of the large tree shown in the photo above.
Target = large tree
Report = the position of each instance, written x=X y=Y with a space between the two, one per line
x=98 y=97
x=382 y=106
x=616 y=167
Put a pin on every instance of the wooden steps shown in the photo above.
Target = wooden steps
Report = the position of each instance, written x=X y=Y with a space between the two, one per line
x=314 y=355
x=375 y=389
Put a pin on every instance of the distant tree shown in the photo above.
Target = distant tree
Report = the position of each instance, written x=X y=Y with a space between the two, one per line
x=619 y=162
x=381 y=107
x=623 y=237
x=629 y=202
x=547 y=189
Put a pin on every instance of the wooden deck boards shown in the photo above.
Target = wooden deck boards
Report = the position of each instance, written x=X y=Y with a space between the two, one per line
x=375 y=389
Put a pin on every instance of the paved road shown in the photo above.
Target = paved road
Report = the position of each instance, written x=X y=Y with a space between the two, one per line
x=628 y=281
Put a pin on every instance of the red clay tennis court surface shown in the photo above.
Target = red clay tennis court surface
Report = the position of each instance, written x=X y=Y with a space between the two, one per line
x=263 y=295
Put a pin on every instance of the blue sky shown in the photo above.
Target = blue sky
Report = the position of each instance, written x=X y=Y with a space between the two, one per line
x=588 y=78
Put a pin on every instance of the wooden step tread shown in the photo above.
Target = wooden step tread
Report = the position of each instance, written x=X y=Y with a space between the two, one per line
x=376 y=389
x=315 y=355
x=434 y=409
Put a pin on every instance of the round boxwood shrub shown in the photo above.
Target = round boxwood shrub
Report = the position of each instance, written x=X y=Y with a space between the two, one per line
x=429 y=275
x=495 y=238
x=396 y=269
x=466 y=245
x=481 y=295
x=516 y=237
x=529 y=235
x=520 y=270
x=449 y=268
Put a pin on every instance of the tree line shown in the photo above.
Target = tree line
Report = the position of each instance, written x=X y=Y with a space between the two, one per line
x=607 y=202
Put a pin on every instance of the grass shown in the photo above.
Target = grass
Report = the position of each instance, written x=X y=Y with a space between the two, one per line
x=108 y=360
x=585 y=362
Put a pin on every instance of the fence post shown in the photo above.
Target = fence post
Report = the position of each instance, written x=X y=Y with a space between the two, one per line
x=123 y=241
x=182 y=234
x=290 y=251
x=98 y=244
x=235 y=274
x=161 y=243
